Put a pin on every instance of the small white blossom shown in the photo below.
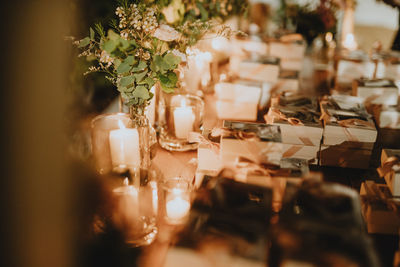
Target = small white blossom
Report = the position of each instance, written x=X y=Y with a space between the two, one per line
x=166 y=33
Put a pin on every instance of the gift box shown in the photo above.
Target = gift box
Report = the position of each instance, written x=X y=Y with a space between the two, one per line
x=257 y=142
x=287 y=81
x=265 y=69
x=228 y=110
x=208 y=156
x=291 y=53
x=355 y=65
x=308 y=153
x=380 y=210
x=390 y=169
x=376 y=91
x=347 y=123
x=344 y=157
x=244 y=91
x=298 y=119
x=287 y=50
x=386 y=117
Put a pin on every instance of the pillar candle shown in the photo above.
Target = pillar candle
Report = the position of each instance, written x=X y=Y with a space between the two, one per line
x=183 y=119
x=124 y=147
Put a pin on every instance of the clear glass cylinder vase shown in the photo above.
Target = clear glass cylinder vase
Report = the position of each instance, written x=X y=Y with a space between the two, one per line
x=179 y=115
x=121 y=144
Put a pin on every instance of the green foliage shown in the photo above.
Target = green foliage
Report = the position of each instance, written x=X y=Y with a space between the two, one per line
x=135 y=58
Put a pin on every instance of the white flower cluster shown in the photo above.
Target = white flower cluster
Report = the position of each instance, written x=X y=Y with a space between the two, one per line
x=105 y=58
x=132 y=20
x=92 y=69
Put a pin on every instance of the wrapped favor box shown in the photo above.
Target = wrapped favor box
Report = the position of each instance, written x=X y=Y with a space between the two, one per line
x=298 y=118
x=238 y=92
x=290 y=53
x=390 y=169
x=387 y=117
x=380 y=210
x=265 y=69
x=347 y=123
x=308 y=153
x=208 y=156
x=376 y=91
x=355 y=65
x=256 y=142
x=228 y=110
x=287 y=50
x=244 y=91
x=344 y=157
x=287 y=81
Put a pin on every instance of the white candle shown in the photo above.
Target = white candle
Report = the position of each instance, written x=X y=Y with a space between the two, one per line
x=128 y=205
x=183 y=120
x=177 y=208
x=124 y=147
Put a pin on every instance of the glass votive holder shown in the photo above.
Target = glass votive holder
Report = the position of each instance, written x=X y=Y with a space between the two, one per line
x=135 y=212
x=176 y=200
x=179 y=114
x=120 y=144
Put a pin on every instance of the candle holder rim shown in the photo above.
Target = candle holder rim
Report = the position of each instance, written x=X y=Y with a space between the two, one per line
x=101 y=116
x=187 y=185
x=188 y=96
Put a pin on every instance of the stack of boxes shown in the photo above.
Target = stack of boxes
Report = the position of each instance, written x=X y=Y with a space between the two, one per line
x=349 y=133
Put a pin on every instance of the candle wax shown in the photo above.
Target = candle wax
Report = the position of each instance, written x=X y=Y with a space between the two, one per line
x=124 y=147
x=177 y=208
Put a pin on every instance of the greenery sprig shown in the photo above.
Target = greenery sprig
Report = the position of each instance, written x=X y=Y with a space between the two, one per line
x=148 y=41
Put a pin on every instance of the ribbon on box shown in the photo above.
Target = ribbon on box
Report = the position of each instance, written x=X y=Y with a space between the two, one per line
x=242 y=167
x=375 y=196
x=200 y=139
x=223 y=132
x=387 y=165
x=275 y=114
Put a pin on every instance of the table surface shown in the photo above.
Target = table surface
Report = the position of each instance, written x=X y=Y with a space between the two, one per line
x=183 y=164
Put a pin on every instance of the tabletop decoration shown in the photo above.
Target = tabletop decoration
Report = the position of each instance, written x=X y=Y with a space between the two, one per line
x=349 y=132
x=380 y=208
x=390 y=169
x=308 y=19
x=146 y=47
x=297 y=116
x=120 y=146
x=238 y=100
x=376 y=91
x=134 y=214
x=176 y=199
x=257 y=142
x=179 y=115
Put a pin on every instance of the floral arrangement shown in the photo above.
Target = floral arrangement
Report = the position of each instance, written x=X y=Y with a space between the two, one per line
x=310 y=19
x=148 y=41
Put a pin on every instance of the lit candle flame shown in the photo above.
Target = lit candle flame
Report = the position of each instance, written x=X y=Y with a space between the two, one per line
x=126 y=182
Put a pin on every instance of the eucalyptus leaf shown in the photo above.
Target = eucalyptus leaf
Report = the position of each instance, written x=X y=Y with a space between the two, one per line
x=109 y=46
x=121 y=89
x=203 y=11
x=167 y=89
x=139 y=76
x=171 y=60
x=113 y=36
x=130 y=60
x=141 y=92
x=127 y=80
x=84 y=42
x=123 y=67
x=91 y=33
x=141 y=66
